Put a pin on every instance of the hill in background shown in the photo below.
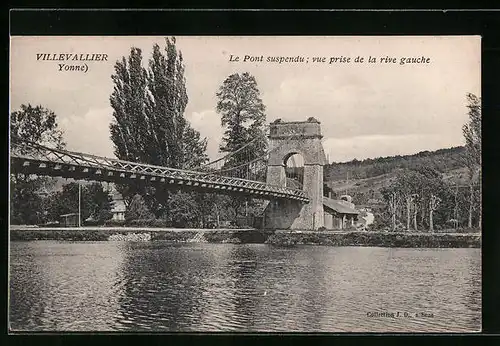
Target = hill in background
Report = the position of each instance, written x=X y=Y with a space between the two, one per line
x=364 y=179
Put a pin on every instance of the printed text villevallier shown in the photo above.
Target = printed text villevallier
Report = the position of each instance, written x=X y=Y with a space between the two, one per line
x=72 y=61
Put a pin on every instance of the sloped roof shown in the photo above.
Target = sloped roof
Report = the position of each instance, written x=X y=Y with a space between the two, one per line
x=338 y=206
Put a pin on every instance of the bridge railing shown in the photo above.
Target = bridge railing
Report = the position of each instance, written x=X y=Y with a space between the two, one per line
x=38 y=153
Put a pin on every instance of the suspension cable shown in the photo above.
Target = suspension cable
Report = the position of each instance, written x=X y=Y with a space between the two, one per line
x=258 y=158
x=239 y=149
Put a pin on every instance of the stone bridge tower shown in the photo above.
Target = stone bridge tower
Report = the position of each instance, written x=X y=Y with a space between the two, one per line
x=287 y=139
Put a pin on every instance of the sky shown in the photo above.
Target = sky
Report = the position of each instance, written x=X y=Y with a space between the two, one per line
x=366 y=110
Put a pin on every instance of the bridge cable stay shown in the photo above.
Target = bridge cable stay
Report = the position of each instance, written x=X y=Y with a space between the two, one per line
x=243 y=152
x=231 y=154
x=252 y=170
x=255 y=169
x=220 y=165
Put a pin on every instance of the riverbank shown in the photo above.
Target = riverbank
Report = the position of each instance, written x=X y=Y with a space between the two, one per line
x=271 y=237
x=378 y=239
x=177 y=235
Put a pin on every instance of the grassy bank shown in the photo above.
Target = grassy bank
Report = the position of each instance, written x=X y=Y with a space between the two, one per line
x=172 y=235
x=380 y=239
x=277 y=238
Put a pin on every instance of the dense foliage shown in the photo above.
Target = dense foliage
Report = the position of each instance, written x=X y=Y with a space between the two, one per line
x=95 y=202
x=242 y=117
x=421 y=200
x=138 y=210
x=38 y=125
x=149 y=124
x=472 y=134
x=35 y=199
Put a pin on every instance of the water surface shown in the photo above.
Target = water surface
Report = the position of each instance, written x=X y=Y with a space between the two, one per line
x=157 y=286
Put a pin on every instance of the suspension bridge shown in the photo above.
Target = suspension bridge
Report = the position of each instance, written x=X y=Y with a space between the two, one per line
x=246 y=178
x=262 y=177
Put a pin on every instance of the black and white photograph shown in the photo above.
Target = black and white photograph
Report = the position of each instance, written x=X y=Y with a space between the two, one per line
x=245 y=184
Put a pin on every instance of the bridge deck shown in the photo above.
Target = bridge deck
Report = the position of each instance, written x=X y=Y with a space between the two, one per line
x=54 y=162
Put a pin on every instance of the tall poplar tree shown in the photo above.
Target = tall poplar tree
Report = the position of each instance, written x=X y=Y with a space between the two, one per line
x=130 y=125
x=149 y=124
x=169 y=99
x=472 y=134
x=129 y=102
x=149 y=104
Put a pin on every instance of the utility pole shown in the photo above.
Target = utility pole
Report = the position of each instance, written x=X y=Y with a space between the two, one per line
x=455 y=209
x=79 y=204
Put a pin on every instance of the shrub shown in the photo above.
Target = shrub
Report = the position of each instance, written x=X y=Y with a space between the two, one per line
x=138 y=210
x=112 y=223
x=233 y=240
x=148 y=223
x=467 y=230
x=322 y=229
x=92 y=222
x=350 y=229
x=50 y=224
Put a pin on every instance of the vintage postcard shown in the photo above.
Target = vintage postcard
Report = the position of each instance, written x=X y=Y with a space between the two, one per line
x=245 y=184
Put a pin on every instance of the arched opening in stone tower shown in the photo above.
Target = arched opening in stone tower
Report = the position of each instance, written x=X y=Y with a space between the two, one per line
x=294 y=171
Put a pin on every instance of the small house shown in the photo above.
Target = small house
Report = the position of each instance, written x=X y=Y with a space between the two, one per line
x=339 y=214
x=118 y=209
x=69 y=220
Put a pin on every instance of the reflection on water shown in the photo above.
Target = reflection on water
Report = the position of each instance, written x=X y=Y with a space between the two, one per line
x=156 y=286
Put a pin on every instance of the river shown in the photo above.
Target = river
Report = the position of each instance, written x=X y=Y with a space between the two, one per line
x=159 y=286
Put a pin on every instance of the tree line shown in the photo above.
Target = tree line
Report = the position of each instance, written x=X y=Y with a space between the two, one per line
x=33 y=199
x=420 y=199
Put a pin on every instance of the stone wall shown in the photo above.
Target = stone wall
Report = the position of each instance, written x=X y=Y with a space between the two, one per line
x=279 y=238
x=378 y=239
